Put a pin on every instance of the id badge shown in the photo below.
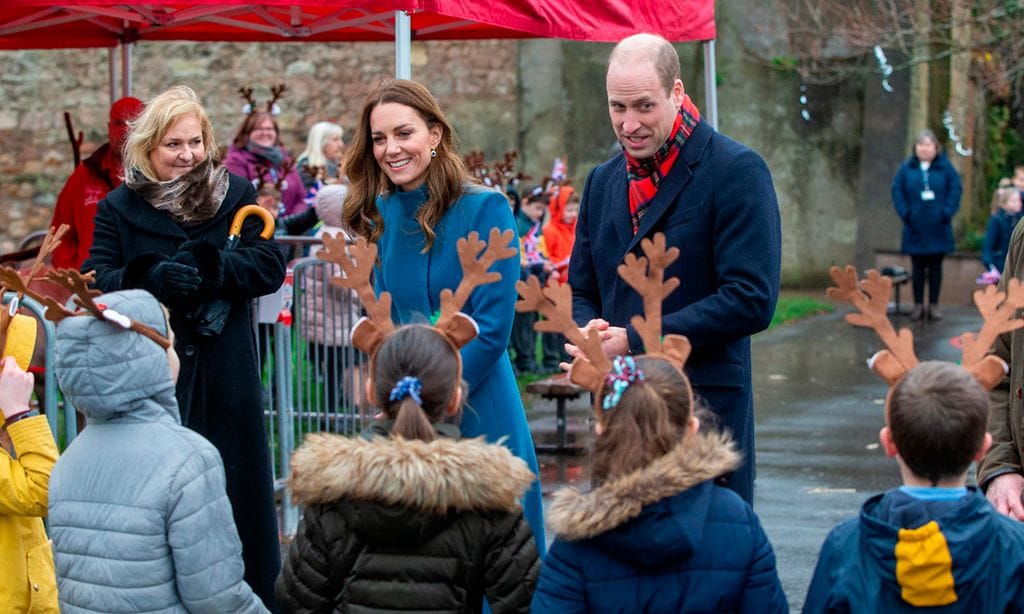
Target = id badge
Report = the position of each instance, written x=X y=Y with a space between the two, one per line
x=927 y=195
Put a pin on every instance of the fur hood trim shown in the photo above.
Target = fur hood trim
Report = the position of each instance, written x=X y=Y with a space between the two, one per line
x=436 y=477
x=698 y=458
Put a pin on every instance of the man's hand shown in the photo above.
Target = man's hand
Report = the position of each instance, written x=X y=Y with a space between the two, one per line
x=614 y=340
x=1004 y=493
x=15 y=388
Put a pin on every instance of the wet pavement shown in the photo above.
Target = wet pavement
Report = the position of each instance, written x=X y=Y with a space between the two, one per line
x=819 y=410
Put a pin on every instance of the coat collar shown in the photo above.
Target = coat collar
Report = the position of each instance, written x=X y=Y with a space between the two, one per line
x=143 y=216
x=435 y=476
x=698 y=458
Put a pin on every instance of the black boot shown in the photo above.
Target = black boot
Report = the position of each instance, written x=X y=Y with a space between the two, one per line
x=918 y=312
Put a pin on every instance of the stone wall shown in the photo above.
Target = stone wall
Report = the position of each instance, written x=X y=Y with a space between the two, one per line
x=475 y=81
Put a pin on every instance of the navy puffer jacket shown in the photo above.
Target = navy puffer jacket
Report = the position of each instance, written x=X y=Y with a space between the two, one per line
x=927 y=224
x=662 y=539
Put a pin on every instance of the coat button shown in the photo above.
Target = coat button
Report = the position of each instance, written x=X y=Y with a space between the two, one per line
x=190 y=350
x=35 y=587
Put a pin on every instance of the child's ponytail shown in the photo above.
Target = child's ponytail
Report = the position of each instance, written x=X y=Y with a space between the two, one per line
x=410 y=422
x=648 y=419
x=416 y=373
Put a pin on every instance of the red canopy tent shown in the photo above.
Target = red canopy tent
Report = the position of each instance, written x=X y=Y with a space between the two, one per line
x=45 y=24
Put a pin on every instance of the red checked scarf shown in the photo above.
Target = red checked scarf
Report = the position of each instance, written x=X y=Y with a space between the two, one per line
x=645 y=175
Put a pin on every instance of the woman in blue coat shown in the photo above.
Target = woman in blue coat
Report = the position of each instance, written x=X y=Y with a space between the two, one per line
x=410 y=193
x=926 y=194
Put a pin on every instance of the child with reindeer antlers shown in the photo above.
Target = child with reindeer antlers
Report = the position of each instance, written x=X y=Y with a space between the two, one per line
x=408 y=517
x=656 y=534
x=933 y=543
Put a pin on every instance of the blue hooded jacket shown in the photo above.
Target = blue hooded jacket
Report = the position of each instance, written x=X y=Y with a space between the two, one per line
x=904 y=554
x=665 y=538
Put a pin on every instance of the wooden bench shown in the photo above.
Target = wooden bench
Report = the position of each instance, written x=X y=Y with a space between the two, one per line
x=559 y=388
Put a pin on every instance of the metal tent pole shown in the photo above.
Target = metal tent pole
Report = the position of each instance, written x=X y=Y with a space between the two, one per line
x=126 y=69
x=403 y=45
x=112 y=75
x=710 y=110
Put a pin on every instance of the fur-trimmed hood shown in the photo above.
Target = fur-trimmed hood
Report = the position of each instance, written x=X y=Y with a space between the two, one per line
x=698 y=458
x=436 y=477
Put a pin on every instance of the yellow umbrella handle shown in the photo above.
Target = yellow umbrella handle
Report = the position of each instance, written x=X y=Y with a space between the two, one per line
x=246 y=211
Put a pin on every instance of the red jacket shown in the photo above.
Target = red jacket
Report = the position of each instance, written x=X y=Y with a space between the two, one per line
x=76 y=205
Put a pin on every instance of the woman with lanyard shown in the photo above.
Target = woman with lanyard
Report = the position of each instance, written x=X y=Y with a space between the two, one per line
x=926 y=194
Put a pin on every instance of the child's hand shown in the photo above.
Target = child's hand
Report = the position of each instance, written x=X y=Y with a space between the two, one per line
x=15 y=388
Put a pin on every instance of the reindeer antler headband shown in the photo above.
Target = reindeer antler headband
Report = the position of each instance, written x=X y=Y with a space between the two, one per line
x=646 y=275
x=870 y=297
x=475 y=255
x=272 y=106
x=78 y=284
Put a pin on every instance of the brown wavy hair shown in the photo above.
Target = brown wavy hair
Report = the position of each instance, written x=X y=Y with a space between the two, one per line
x=422 y=352
x=447 y=175
x=650 y=419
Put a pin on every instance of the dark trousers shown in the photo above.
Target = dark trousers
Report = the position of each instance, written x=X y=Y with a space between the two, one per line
x=523 y=342
x=926 y=266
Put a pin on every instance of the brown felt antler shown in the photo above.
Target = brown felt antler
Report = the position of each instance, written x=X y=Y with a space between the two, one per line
x=78 y=284
x=646 y=275
x=16 y=282
x=246 y=93
x=870 y=297
x=357 y=263
x=998 y=310
x=476 y=257
x=591 y=367
x=554 y=302
x=276 y=92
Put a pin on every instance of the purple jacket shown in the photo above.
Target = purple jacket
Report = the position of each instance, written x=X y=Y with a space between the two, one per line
x=243 y=162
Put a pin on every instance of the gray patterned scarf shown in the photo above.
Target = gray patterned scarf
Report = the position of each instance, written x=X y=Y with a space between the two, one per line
x=191 y=198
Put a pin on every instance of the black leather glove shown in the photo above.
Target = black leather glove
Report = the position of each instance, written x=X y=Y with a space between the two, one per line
x=170 y=279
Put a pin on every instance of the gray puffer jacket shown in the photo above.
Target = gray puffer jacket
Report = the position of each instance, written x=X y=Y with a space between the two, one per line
x=139 y=517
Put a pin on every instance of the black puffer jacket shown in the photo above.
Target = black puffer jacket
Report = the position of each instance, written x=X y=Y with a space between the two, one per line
x=397 y=525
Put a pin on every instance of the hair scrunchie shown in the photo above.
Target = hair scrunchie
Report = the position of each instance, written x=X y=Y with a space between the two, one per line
x=408 y=386
x=624 y=372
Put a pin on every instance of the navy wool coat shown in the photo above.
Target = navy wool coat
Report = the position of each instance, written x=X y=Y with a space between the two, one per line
x=718 y=206
x=218 y=388
x=927 y=224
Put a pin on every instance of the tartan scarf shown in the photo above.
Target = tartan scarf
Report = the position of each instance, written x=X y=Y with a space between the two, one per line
x=645 y=175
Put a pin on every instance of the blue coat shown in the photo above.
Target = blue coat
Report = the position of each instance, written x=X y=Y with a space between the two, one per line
x=661 y=539
x=857 y=571
x=718 y=206
x=415 y=281
x=927 y=224
x=997 y=238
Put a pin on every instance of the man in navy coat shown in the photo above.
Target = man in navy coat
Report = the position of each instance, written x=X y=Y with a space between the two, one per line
x=713 y=198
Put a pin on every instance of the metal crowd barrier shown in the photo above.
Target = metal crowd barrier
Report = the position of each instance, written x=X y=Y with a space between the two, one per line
x=313 y=380
x=49 y=401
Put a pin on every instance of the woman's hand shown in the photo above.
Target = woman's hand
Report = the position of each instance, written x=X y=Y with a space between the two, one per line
x=15 y=388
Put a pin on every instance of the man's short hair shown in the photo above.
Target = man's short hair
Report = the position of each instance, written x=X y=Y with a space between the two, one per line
x=937 y=416
x=654 y=49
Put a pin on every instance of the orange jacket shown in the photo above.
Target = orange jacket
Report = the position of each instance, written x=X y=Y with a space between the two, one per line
x=559 y=236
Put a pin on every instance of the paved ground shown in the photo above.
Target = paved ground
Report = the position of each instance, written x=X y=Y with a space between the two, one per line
x=819 y=410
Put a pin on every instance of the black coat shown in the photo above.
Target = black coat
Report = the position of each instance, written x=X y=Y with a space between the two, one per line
x=393 y=525
x=219 y=387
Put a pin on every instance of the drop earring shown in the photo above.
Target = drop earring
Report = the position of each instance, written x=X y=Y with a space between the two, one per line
x=433 y=153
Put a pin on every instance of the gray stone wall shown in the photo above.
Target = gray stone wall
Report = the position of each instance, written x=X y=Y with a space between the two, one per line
x=544 y=97
x=475 y=81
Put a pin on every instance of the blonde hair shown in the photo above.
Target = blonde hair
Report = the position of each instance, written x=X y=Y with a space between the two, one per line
x=1001 y=196
x=447 y=175
x=318 y=135
x=156 y=119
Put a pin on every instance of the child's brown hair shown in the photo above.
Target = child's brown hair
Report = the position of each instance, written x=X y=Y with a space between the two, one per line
x=938 y=415
x=649 y=419
x=420 y=352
